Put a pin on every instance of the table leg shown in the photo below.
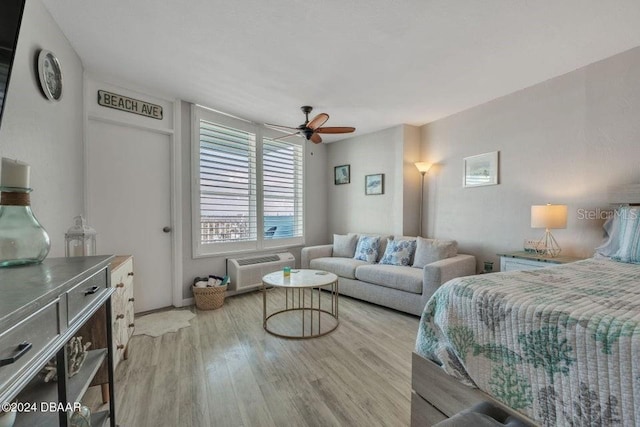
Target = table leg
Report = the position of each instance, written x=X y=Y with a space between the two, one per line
x=311 y=314
x=264 y=306
x=319 y=308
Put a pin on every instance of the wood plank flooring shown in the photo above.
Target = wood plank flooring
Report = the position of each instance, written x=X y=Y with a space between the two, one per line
x=225 y=370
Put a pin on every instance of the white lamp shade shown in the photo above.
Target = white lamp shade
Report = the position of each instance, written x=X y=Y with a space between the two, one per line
x=549 y=216
x=423 y=167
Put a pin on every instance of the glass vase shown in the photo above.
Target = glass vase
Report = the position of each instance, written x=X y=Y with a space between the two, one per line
x=22 y=239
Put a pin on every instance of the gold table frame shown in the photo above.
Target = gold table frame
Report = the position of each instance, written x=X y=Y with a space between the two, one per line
x=290 y=305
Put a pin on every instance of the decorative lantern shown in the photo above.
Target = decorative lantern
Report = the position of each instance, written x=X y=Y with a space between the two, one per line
x=80 y=239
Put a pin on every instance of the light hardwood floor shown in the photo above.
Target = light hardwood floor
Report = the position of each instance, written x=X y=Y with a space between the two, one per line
x=225 y=370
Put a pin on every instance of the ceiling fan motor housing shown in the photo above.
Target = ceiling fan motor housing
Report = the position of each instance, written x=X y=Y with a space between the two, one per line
x=307 y=132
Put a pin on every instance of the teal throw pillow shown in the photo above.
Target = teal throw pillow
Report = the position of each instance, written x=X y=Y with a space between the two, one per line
x=629 y=236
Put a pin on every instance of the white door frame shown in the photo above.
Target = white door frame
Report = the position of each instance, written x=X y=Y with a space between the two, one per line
x=175 y=196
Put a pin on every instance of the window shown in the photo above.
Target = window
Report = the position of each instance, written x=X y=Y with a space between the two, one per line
x=248 y=187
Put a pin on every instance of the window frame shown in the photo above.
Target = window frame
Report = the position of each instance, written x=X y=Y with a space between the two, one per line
x=204 y=250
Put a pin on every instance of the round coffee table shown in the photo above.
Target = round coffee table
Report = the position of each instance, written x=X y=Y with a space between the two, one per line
x=299 y=288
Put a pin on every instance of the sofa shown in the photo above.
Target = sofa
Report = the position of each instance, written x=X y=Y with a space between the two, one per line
x=392 y=273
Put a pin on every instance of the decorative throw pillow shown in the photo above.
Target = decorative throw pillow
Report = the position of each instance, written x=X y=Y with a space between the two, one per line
x=629 y=233
x=611 y=243
x=432 y=250
x=344 y=245
x=367 y=249
x=398 y=252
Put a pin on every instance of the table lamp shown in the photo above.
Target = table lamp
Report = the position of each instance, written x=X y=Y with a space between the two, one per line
x=548 y=216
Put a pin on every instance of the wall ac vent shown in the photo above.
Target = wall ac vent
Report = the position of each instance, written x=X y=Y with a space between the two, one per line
x=258 y=260
x=246 y=273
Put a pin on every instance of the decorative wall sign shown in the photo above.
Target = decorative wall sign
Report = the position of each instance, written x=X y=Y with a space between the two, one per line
x=130 y=105
x=480 y=170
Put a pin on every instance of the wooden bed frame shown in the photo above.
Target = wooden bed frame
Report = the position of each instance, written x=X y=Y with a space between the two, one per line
x=434 y=391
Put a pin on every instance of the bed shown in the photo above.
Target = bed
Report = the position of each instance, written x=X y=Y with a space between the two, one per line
x=559 y=345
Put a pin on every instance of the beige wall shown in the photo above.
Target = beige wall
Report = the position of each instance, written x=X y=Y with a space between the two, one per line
x=562 y=141
x=388 y=151
x=45 y=134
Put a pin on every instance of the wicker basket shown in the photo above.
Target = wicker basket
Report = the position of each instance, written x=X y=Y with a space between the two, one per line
x=209 y=298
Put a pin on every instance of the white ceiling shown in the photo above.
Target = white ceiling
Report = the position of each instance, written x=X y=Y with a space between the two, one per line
x=370 y=64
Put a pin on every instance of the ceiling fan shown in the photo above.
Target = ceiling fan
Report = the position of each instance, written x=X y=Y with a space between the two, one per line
x=311 y=129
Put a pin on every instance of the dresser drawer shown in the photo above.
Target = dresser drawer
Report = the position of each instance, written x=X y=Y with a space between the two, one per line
x=20 y=344
x=84 y=294
x=122 y=276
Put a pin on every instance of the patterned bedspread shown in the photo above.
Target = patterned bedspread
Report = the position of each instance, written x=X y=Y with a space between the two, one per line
x=560 y=344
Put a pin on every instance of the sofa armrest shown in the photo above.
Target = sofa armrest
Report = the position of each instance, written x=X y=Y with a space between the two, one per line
x=312 y=252
x=439 y=272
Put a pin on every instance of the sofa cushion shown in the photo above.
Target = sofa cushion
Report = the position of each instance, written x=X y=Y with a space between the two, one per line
x=399 y=252
x=343 y=267
x=432 y=250
x=367 y=249
x=406 y=279
x=383 y=242
x=344 y=245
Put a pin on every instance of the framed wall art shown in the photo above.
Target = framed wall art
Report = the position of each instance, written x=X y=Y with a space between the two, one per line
x=374 y=184
x=480 y=170
x=342 y=174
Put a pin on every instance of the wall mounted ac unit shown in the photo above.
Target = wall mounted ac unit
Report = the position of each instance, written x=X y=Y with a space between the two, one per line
x=245 y=274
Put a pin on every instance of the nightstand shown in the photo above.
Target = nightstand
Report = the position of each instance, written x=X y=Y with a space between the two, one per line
x=514 y=261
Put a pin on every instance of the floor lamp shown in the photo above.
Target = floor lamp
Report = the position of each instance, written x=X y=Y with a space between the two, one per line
x=423 y=167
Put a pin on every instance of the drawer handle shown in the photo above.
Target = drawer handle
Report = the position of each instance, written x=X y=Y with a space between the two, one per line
x=120 y=316
x=120 y=285
x=92 y=290
x=23 y=348
x=132 y=299
x=130 y=273
x=132 y=325
x=120 y=346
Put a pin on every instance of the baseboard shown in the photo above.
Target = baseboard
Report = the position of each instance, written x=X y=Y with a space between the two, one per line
x=187 y=302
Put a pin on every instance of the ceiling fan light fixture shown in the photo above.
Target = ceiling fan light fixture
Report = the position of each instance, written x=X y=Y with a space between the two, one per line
x=311 y=129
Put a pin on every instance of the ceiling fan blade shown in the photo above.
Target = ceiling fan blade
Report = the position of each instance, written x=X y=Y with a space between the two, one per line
x=285 y=136
x=279 y=127
x=318 y=121
x=315 y=138
x=343 y=129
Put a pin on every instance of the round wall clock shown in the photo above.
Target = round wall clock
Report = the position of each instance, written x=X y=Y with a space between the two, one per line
x=50 y=75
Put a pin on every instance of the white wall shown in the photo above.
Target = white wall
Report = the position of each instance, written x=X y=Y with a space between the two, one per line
x=563 y=141
x=315 y=189
x=391 y=152
x=45 y=134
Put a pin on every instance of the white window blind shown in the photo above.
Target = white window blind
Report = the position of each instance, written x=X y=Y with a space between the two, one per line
x=247 y=188
x=282 y=187
x=228 y=203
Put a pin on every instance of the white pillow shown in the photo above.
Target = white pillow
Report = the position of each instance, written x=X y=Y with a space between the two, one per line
x=432 y=250
x=611 y=243
x=344 y=246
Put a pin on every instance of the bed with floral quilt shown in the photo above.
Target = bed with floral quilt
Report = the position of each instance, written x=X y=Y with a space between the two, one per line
x=561 y=345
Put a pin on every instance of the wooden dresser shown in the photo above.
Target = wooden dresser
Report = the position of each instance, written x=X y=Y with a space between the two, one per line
x=122 y=305
x=41 y=307
x=121 y=319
